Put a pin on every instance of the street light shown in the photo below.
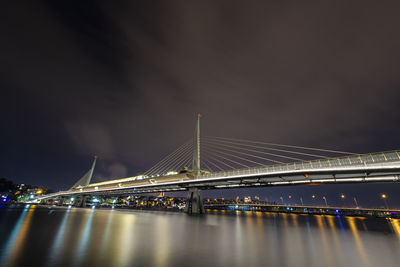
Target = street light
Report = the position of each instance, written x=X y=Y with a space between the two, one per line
x=326 y=203
x=355 y=201
x=342 y=196
x=384 y=197
x=313 y=197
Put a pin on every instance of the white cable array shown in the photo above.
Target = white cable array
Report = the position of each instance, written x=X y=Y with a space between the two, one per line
x=219 y=153
x=207 y=155
x=263 y=158
x=169 y=166
x=228 y=159
x=282 y=145
x=166 y=160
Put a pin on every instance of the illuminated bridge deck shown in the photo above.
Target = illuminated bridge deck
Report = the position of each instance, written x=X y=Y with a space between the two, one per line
x=375 y=167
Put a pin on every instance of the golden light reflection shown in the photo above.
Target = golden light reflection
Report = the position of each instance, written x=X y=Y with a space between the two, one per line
x=260 y=221
x=106 y=235
x=396 y=226
x=251 y=231
x=285 y=219
x=295 y=220
x=16 y=242
x=84 y=237
x=125 y=240
x=163 y=245
x=325 y=241
x=336 y=242
x=297 y=239
x=359 y=244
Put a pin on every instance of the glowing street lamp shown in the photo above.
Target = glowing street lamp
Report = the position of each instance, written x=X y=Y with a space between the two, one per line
x=384 y=197
x=342 y=196
x=313 y=197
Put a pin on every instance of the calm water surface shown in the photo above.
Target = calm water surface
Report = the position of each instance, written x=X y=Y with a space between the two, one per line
x=49 y=236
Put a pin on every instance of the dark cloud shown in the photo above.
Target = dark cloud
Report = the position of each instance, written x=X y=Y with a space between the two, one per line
x=125 y=79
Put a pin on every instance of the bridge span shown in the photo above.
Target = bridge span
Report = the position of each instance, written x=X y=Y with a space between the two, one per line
x=353 y=168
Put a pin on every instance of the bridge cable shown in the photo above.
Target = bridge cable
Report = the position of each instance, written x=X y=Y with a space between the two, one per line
x=168 y=157
x=281 y=145
x=261 y=152
x=188 y=163
x=212 y=157
x=186 y=157
x=267 y=148
x=212 y=163
x=207 y=167
x=168 y=165
x=218 y=152
x=241 y=157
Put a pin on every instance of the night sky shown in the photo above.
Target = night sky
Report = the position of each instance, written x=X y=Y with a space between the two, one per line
x=125 y=80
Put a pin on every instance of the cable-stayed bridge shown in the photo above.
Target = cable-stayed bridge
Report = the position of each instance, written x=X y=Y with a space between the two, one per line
x=221 y=163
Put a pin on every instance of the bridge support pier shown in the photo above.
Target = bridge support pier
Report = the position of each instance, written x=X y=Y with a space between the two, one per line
x=61 y=201
x=81 y=202
x=194 y=202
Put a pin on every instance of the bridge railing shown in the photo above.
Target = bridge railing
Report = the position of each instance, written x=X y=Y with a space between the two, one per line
x=348 y=161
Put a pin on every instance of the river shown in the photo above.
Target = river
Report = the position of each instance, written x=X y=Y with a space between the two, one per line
x=59 y=236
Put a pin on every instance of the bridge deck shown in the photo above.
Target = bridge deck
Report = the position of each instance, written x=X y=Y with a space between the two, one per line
x=382 y=166
x=359 y=160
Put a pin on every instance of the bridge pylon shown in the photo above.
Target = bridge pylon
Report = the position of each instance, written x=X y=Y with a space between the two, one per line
x=85 y=179
x=196 y=149
x=194 y=201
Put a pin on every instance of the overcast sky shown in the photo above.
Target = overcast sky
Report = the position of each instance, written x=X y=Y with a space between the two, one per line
x=125 y=80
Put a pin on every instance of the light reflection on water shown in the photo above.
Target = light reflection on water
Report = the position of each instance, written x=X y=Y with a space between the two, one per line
x=56 y=247
x=91 y=237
